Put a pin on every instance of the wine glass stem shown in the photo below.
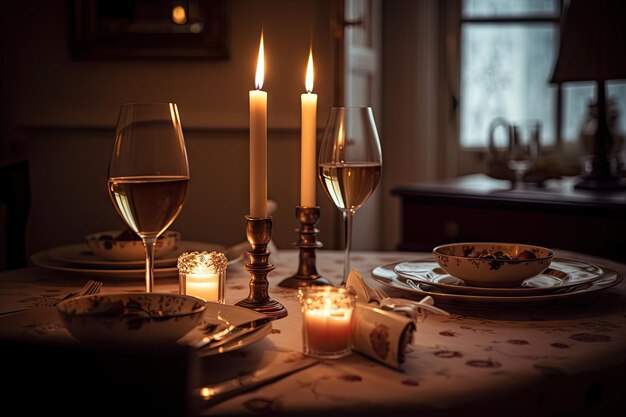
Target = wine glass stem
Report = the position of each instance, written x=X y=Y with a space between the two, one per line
x=347 y=215
x=519 y=177
x=148 y=243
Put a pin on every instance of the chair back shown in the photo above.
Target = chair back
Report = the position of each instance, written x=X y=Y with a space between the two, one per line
x=15 y=196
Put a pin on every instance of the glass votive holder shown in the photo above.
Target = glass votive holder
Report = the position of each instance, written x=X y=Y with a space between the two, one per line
x=326 y=321
x=203 y=275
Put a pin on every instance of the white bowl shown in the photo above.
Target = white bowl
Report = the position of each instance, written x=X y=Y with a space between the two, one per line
x=131 y=318
x=484 y=264
x=105 y=245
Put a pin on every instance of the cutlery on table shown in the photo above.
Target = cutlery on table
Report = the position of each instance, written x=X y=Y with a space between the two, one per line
x=232 y=333
x=91 y=287
x=213 y=394
x=227 y=343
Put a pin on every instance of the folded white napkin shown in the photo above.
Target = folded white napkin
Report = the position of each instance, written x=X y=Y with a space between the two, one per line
x=384 y=327
x=377 y=333
x=410 y=308
x=381 y=335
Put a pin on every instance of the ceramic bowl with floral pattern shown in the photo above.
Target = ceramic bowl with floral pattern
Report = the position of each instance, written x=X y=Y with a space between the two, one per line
x=489 y=264
x=131 y=318
x=116 y=245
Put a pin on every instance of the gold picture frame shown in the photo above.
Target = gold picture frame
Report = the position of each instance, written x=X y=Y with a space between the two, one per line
x=149 y=29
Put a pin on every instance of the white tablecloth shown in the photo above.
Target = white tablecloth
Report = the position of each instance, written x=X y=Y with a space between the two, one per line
x=564 y=356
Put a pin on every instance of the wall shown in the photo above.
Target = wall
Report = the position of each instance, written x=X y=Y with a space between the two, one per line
x=411 y=140
x=64 y=111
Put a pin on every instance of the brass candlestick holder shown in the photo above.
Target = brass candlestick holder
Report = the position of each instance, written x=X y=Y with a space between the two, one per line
x=307 y=272
x=259 y=234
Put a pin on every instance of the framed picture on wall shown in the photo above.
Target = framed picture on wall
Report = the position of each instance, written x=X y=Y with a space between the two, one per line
x=149 y=29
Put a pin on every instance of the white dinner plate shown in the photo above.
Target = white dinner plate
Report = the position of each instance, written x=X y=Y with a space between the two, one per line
x=44 y=260
x=562 y=273
x=44 y=325
x=79 y=255
x=226 y=315
x=387 y=276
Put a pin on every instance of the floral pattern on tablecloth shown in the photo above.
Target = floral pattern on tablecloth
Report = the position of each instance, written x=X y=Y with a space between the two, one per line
x=480 y=356
x=41 y=292
x=478 y=351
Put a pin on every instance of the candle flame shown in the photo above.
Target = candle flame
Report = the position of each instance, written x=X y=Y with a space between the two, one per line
x=260 y=66
x=308 y=82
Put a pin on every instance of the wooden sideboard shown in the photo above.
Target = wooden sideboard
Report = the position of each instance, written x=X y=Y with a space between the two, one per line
x=480 y=208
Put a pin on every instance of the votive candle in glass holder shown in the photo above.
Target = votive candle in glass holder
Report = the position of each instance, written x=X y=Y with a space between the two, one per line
x=203 y=275
x=326 y=321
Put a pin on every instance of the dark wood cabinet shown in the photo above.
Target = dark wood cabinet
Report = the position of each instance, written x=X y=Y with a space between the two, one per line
x=479 y=208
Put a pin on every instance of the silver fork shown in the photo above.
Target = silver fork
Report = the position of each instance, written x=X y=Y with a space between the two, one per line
x=91 y=287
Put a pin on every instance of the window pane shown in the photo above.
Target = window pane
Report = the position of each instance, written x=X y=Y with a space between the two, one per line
x=505 y=69
x=516 y=8
x=617 y=92
x=579 y=97
x=576 y=100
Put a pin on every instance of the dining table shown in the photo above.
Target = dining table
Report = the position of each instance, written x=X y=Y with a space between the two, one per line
x=551 y=356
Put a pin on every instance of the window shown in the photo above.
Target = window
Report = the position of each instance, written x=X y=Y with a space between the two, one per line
x=508 y=49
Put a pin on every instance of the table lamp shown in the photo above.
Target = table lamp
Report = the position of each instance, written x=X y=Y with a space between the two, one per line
x=593 y=48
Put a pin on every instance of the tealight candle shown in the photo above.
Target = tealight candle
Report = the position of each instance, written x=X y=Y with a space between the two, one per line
x=202 y=275
x=326 y=321
x=205 y=286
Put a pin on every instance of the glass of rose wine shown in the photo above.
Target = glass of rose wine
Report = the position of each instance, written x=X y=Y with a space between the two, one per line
x=148 y=172
x=350 y=164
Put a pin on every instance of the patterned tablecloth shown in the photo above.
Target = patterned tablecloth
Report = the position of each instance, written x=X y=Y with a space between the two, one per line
x=565 y=356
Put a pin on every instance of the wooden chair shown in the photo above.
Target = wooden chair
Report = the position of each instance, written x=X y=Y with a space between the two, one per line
x=15 y=195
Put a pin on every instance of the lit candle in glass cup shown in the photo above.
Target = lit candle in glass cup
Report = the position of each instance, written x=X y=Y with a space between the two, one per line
x=203 y=275
x=327 y=321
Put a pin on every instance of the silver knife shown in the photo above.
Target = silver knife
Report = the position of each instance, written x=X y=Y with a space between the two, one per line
x=216 y=393
x=231 y=333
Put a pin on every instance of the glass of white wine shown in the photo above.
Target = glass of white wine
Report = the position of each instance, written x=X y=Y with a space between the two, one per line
x=148 y=172
x=350 y=164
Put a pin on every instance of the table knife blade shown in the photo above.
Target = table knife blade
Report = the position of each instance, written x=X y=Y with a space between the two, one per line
x=216 y=393
x=231 y=333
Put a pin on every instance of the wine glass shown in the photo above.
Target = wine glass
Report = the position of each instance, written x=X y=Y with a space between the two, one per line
x=148 y=172
x=350 y=164
x=525 y=137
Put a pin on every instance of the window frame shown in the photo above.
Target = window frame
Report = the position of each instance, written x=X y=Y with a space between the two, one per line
x=470 y=159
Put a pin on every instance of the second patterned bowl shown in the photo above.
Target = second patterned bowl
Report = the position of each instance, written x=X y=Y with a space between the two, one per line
x=493 y=264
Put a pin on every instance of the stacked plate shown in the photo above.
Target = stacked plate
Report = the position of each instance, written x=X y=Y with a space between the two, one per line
x=564 y=278
x=43 y=325
x=79 y=258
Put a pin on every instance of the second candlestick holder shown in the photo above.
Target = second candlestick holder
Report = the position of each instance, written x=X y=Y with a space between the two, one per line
x=259 y=234
x=307 y=244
